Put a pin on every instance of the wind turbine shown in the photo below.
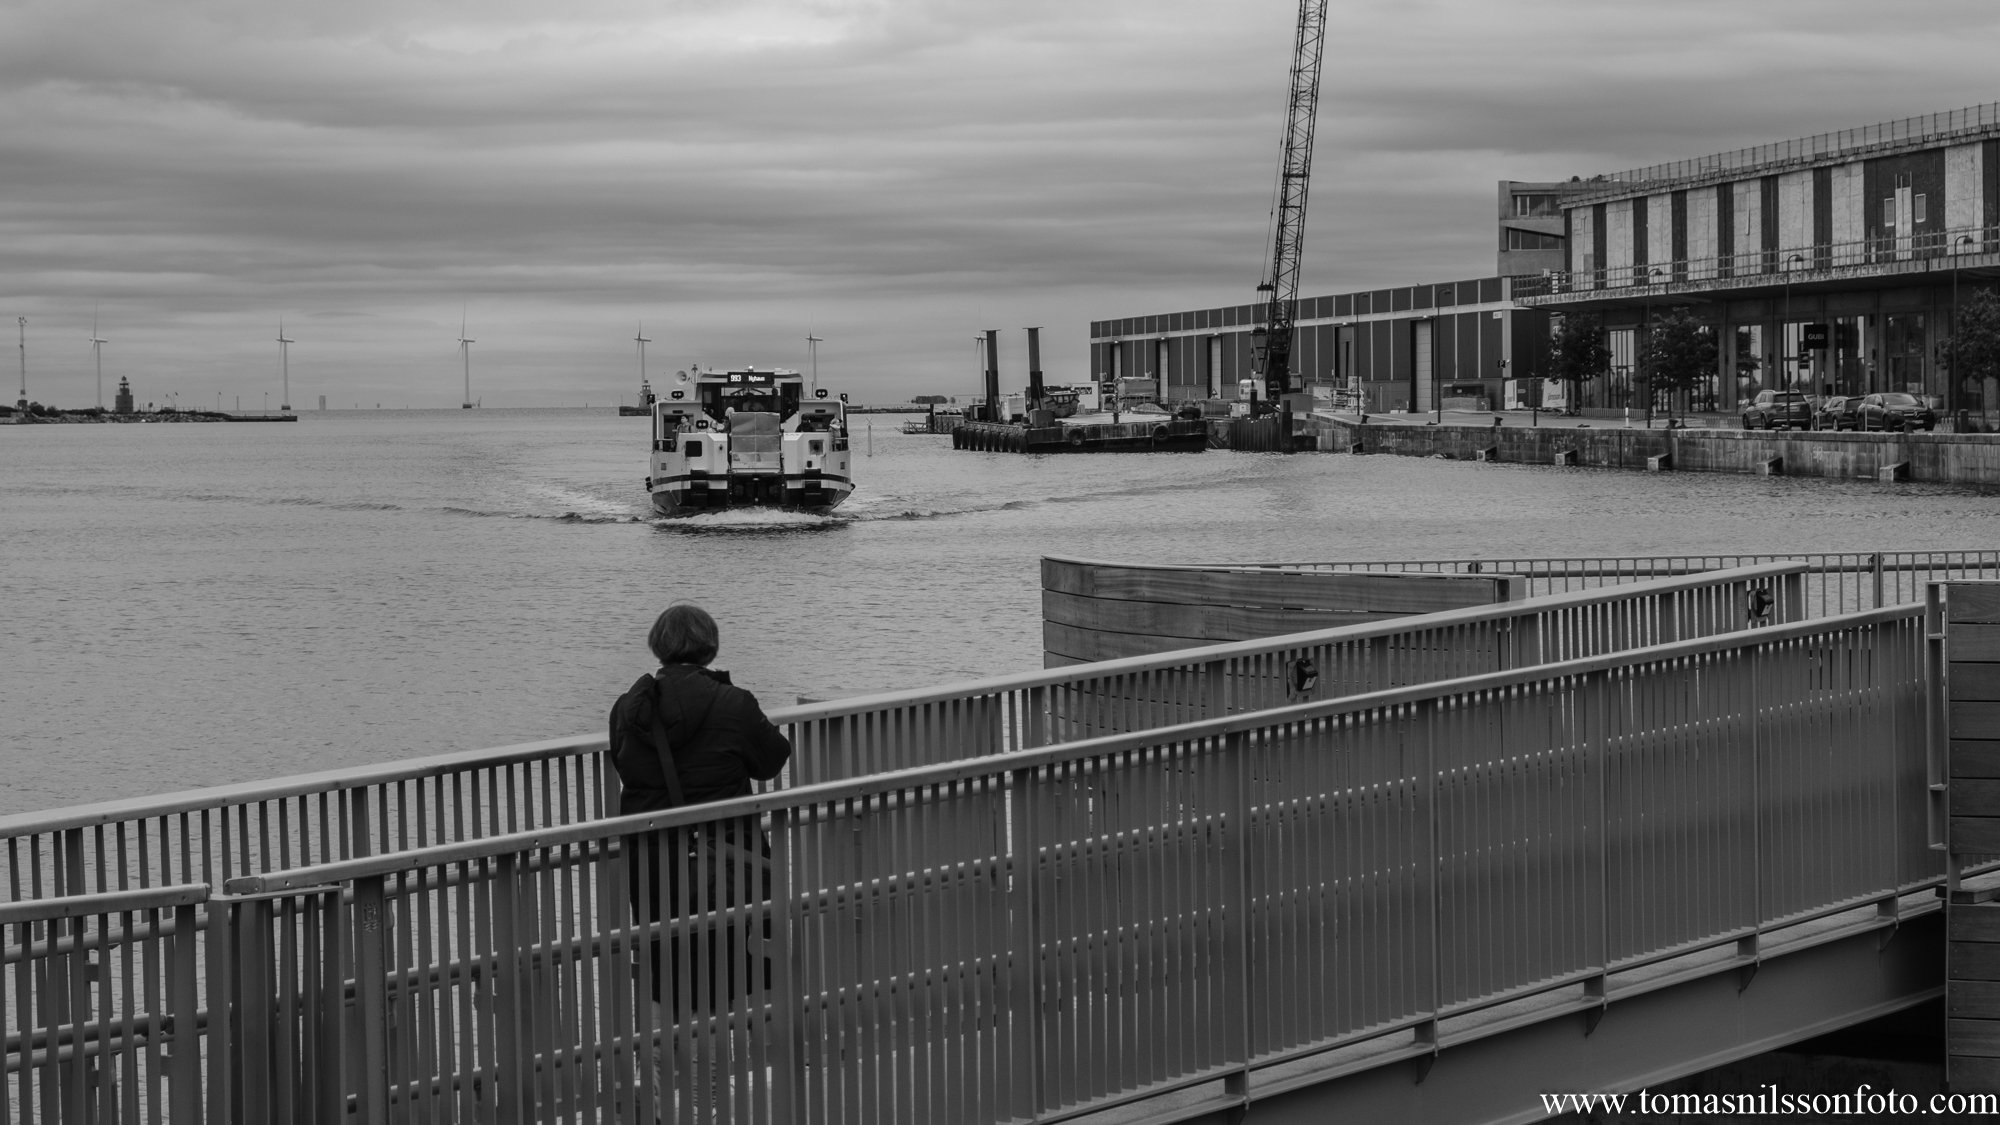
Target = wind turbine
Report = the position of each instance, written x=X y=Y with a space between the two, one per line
x=643 y=340
x=285 y=365
x=97 y=351
x=465 y=352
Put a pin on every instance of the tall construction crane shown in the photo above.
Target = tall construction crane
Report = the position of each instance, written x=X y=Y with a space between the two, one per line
x=1273 y=342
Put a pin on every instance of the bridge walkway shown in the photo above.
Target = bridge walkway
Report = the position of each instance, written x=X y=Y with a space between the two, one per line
x=1161 y=922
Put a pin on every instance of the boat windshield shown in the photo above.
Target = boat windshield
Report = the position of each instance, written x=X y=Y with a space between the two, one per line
x=779 y=399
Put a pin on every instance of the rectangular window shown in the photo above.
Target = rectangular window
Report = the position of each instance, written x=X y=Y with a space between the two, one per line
x=1919 y=208
x=1532 y=240
x=1889 y=213
x=815 y=447
x=691 y=450
x=1535 y=207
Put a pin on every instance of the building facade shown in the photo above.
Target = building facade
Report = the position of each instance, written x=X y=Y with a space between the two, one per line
x=1533 y=236
x=1830 y=264
x=1407 y=348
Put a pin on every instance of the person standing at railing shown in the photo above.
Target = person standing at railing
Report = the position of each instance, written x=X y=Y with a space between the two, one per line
x=685 y=735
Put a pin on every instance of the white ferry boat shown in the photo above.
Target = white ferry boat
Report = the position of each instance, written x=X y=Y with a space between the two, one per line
x=748 y=438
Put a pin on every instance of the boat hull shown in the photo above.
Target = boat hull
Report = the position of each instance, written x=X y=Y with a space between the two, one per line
x=698 y=493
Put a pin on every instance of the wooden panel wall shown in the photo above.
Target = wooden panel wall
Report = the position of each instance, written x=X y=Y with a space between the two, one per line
x=1101 y=611
x=1972 y=985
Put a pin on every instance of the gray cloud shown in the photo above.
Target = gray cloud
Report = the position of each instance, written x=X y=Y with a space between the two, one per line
x=894 y=176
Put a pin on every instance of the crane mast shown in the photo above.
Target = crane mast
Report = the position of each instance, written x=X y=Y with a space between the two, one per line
x=1274 y=349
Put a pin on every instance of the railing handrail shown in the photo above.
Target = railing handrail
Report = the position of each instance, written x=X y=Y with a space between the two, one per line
x=1461 y=560
x=1900 y=131
x=106 y=902
x=986 y=766
x=1581 y=566
x=333 y=781
x=1938 y=249
x=292 y=785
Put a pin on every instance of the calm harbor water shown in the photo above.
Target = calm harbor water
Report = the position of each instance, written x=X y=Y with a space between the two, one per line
x=192 y=605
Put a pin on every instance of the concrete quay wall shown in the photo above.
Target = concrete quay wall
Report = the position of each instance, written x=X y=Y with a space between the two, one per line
x=1941 y=458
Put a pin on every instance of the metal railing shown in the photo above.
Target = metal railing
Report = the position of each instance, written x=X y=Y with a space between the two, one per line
x=1938 y=127
x=1835 y=581
x=104 y=1020
x=1935 y=250
x=211 y=836
x=135 y=851
x=1057 y=931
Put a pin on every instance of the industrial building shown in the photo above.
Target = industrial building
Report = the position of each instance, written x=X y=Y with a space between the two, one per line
x=1408 y=348
x=1831 y=263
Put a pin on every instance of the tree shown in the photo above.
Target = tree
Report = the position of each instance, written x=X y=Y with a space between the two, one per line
x=1578 y=352
x=1680 y=354
x=1972 y=352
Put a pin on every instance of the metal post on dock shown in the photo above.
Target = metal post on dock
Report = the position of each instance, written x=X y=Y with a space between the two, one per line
x=1034 y=368
x=993 y=376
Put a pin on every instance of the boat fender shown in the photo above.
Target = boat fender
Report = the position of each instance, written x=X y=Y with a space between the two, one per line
x=1075 y=439
x=649 y=484
x=1159 y=435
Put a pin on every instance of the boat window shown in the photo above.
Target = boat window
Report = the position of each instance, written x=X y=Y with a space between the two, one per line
x=815 y=447
x=693 y=449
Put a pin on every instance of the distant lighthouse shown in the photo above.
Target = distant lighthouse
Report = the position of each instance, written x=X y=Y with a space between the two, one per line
x=122 y=403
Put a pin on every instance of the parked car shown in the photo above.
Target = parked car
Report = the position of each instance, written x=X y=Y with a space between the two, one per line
x=1838 y=412
x=1778 y=410
x=1894 y=410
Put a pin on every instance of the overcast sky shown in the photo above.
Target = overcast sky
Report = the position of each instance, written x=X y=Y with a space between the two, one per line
x=892 y=175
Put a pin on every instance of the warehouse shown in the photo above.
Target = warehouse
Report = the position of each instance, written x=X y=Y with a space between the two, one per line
x=1453 y=343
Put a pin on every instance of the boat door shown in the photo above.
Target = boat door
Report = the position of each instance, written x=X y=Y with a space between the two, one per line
x=1421 y=368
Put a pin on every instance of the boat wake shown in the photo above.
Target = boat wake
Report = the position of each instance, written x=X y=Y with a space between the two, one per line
x=747 y=519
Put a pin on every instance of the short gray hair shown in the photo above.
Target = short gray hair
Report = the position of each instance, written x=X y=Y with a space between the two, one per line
x=684 y=634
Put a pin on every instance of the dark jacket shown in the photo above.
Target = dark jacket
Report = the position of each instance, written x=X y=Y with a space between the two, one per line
x=720 y=738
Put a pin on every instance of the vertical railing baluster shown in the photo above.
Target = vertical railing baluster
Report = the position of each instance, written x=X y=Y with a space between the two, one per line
x=1235 y=902
x=1423 y=733
x=371 y=987
x=1937 y=728
x=1027 y=1092
x=248 y=934
x=184 y=1078
x=1593 y=692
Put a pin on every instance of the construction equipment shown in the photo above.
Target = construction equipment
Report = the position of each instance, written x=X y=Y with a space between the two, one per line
x=1273 y=341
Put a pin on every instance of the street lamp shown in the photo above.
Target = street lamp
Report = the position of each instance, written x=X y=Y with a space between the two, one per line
x=1785 y=326
x=1437 y=399
x=1951 y=388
